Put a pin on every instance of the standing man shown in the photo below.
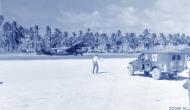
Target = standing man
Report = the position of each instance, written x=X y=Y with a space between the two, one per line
x=186 y=85
x=95 y=64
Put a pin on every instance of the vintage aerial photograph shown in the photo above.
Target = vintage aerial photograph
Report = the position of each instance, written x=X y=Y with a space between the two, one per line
x=94 y=55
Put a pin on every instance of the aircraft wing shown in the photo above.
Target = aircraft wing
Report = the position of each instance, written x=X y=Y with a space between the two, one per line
x=76 y=46
x=74 y=49
x=60 y=48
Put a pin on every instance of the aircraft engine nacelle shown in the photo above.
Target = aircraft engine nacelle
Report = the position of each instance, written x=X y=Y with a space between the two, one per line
x=82 y=50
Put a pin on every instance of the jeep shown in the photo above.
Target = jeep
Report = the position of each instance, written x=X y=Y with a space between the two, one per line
x=159 y=63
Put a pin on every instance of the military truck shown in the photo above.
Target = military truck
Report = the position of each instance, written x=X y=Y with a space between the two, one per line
x=159 y=63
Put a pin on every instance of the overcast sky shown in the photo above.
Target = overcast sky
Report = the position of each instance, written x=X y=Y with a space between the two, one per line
x=101 y=15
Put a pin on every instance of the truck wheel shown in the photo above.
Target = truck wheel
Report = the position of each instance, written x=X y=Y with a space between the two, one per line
x=156 y=74
x=131 y=70
x=146 y=73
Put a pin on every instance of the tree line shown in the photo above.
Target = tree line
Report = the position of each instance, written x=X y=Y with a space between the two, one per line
x=15 y=38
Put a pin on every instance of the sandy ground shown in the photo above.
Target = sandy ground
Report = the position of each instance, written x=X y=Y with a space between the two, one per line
x=70 y=85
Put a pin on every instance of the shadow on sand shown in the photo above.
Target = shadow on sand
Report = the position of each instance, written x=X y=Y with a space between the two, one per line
x=101 y=72
x=179 y=78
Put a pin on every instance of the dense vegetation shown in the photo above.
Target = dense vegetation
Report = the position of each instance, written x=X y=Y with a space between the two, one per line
x=15 y=38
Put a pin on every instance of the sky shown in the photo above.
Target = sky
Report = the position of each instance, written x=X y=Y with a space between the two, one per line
x=168 y=16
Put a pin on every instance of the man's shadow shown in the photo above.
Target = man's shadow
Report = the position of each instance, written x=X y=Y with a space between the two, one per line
x=102 y=72
x=1 y=82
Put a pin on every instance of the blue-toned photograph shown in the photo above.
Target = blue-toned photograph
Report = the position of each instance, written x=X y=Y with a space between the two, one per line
x=94 y=54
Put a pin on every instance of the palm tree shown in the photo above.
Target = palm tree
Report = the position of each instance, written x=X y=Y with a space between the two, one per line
x=163 y=40
x=119 y=40
x=103 y=42
x=146 y=32
x=65 y=39
x=6 y=37
x=35 y=36
x=80 y=36
x=113 y=39
x=132 y=41
x=1 y=19
x=56 y=38
x=88 y=30
x=153 y=40
x=16 y=36
x=47 y=39
x=1 y=33
x=146 y=39
x=20 y=36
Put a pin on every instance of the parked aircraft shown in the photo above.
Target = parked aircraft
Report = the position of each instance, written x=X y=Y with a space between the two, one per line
x=78 y=48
